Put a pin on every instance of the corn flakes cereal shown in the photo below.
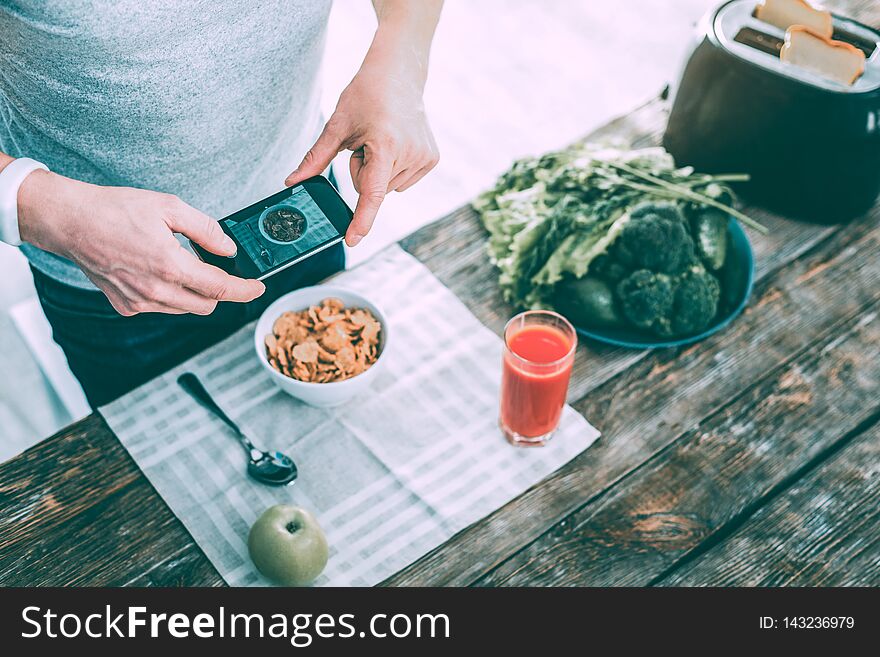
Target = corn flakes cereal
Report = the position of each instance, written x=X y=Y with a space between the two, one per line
x=324 y=343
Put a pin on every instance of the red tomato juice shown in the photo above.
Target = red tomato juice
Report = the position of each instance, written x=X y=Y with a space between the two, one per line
x=535 y=380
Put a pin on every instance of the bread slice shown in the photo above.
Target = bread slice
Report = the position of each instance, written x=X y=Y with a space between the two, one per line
x=835 y=60
x=785 y=13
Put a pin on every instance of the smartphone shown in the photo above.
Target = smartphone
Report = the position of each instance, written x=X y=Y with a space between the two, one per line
x=282 y=230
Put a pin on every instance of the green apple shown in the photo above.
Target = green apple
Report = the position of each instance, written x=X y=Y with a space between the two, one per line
x=287 y=545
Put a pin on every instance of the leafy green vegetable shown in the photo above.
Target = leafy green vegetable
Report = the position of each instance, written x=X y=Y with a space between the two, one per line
x=551 y=218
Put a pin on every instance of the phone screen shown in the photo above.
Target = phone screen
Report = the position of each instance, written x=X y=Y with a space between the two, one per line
x=283 y=229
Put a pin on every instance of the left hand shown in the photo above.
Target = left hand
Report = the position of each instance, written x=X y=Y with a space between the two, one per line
x=381 y=118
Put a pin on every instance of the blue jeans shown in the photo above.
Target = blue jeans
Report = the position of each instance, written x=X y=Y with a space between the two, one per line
x=111 y=354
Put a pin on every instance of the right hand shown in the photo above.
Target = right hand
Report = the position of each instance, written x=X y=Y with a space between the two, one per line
x=123 y=240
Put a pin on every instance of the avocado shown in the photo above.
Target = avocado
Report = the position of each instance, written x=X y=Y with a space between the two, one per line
x=587 y=302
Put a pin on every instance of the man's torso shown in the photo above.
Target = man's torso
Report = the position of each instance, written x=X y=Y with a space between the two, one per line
x=213 y=101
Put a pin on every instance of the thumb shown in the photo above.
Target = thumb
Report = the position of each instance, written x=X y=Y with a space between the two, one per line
x=201 y=229
x=319 y=156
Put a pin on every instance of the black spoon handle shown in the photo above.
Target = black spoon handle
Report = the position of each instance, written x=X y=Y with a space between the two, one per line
x=190 y=382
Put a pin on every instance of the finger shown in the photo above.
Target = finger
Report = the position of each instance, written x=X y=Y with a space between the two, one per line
x=177 y=300
x=319 y=156
x=127 y=308
x=399 y=179
x=373 y=178
x=122 y=297
x=201 y=229
x=168 y=310
x=414 y=178
x=167 y=298
x=420 y=173
x=159 y=308
x=214 y=283
x=118 y=300
x=356 y=166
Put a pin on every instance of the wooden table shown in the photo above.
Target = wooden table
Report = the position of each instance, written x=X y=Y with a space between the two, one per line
x=751 y=458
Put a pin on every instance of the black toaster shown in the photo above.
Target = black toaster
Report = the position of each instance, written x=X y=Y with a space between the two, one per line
x=810 y=145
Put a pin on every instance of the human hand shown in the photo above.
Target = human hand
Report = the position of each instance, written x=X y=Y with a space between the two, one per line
x=381 y=118
x=123 y=240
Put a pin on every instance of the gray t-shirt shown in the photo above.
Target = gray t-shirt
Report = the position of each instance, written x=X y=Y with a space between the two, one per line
x=213 y=100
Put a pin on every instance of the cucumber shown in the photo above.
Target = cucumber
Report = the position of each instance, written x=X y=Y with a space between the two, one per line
x=711 y=237
x=733 y=276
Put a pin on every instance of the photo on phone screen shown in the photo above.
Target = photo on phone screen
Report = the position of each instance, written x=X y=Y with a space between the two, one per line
x=283 y=229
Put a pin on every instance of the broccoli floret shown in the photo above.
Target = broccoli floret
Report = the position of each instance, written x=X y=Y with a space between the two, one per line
x=669 y=305
x=696 y=301
x=663 y=209
x=655 y=238
x=669 y=292
x=646 y=299
x=608 y=268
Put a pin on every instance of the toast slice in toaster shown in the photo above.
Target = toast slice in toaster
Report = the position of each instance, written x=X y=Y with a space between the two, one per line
x=785 y=13
x=837 y=60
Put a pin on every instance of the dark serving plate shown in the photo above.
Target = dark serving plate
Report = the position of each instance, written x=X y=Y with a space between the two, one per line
x=737 y=297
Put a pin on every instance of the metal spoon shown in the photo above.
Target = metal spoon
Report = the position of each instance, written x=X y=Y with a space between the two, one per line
x=264 y=252
x=273 y=468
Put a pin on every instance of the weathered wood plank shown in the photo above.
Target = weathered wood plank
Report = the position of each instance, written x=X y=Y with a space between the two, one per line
x=717 y=473
x=35 y=497
x=643 y=409
x=823 y=531
x=183 y=567
x=75 y=509
x=105 y=543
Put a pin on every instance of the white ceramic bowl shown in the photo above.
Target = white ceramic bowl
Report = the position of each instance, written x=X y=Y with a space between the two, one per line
x=319 y=394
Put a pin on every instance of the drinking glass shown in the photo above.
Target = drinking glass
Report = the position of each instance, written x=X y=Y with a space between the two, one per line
x=539 y=348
